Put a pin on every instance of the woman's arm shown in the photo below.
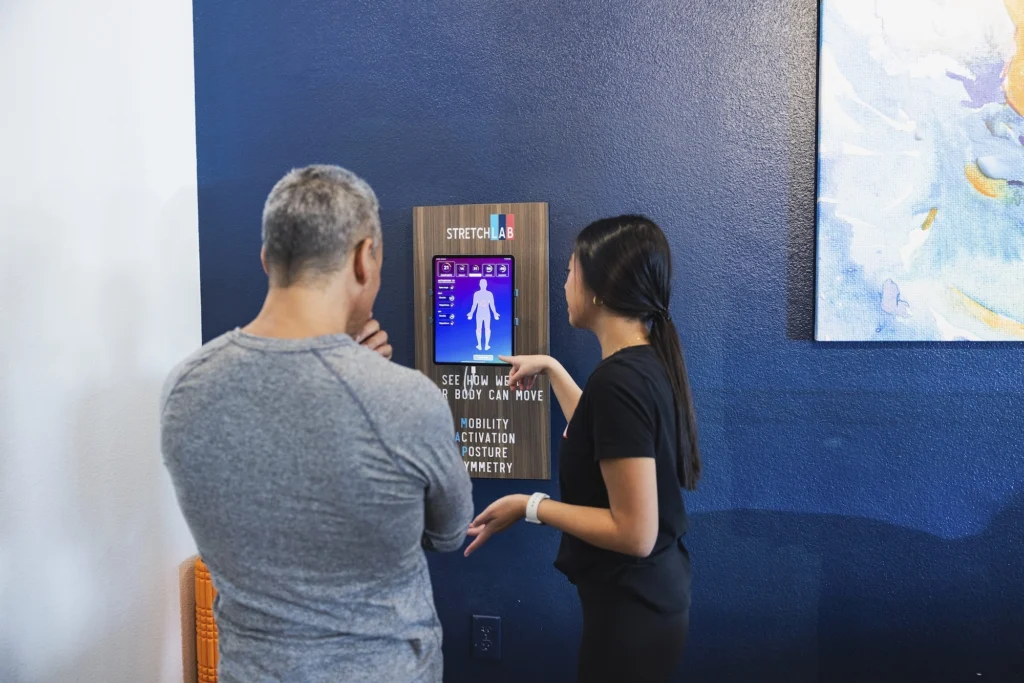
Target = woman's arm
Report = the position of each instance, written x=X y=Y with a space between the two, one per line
x=566 y=390
x=630 y=526
x=524 y=373
x=619 y=417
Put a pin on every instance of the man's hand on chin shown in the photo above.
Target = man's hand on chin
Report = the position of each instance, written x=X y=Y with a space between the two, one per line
x=375 y=339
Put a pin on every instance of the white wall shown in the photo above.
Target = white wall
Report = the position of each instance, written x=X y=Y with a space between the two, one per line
x=99 y=297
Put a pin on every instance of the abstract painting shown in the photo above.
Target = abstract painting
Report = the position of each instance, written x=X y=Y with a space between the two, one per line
x=920 y=228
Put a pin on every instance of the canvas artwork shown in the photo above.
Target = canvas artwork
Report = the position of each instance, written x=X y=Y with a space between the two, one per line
x=920 y=230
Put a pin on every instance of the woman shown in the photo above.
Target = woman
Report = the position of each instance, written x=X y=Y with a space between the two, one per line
x=631 y=443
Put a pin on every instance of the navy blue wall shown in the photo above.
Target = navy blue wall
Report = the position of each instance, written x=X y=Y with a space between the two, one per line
x=862 y=513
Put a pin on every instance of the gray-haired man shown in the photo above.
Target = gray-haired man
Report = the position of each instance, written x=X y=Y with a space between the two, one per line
x=311 y=470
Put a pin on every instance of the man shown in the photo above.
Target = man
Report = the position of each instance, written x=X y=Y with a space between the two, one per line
x=311 y=470
x=483 y=306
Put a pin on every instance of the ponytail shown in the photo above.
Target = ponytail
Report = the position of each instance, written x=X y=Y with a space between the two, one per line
x=627 y=262
x=665 y=340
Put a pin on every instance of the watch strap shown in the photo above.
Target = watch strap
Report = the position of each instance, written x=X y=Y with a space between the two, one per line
x=532 y=505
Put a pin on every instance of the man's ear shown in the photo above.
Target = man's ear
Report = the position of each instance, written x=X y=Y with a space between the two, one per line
x=361 y=261
x=263 y=260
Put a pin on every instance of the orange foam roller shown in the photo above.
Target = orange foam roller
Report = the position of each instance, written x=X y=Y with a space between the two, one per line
x=206 y=627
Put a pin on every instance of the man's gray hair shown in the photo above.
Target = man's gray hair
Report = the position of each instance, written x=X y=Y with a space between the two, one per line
x=313 y=218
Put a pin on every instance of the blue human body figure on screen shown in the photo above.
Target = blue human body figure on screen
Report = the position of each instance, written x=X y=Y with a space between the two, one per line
x=483 y=306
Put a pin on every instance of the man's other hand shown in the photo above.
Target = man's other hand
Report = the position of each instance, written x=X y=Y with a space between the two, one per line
x=375 y=339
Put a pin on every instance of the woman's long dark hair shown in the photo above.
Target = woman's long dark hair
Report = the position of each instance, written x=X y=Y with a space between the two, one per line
x=627 y=263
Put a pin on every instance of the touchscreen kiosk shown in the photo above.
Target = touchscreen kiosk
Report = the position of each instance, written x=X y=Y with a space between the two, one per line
x=480 y=287
x=474 y=309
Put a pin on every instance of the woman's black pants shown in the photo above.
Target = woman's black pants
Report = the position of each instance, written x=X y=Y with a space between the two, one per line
x=627 y=641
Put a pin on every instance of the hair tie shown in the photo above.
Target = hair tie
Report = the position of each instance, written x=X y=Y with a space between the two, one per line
x=663 y=314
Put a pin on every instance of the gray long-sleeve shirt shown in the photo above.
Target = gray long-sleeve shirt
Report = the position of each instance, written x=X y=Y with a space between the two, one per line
x=312 y=472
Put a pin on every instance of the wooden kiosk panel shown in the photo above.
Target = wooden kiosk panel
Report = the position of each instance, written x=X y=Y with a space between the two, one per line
x=502 y=434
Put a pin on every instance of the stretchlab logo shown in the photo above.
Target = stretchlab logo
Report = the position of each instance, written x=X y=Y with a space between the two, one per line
x=503 y=227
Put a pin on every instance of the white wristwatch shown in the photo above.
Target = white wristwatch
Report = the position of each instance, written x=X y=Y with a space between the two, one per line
x=531 y=507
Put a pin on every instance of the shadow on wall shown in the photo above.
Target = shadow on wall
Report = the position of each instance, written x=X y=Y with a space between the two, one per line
x=801 y=162
x=779 y=598
x=799 y=598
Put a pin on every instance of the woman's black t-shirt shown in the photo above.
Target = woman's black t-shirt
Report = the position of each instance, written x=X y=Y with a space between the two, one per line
x=627 y=410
